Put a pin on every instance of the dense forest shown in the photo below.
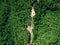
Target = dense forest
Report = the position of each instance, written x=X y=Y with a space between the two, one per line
x=15 y=16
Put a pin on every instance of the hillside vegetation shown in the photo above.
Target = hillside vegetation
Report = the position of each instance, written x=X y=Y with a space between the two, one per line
x=15 y=17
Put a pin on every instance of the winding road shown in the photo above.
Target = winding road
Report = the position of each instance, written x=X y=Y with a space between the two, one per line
x=31 y=27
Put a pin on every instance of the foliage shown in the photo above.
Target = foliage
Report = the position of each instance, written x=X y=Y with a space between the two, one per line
x=47 y=25
x=15 y=16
